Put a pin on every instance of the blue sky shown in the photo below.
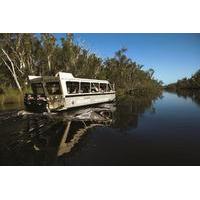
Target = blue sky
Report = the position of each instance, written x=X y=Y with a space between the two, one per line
x=172 y=56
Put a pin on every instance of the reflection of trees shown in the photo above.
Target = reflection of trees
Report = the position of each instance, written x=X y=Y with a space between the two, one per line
x=130 y=108
x=192 y=94
x=39 y=139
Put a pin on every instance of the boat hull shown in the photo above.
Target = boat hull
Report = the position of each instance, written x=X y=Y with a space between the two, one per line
x=72 y=101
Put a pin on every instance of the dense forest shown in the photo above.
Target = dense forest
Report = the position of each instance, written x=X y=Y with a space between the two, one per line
x=41 y=54
x=186 y=83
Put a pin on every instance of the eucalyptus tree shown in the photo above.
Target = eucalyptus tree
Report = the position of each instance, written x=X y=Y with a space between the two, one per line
x=70 y=53
x=120 y=69
x=187 y=83
x=24 y=54
x=92 y=66
x=19 y=55
x=127 y=74
x=48 y=42
x=9 y=55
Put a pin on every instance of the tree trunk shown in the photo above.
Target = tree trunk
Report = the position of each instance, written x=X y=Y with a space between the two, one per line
x=17 y=83
x=12 y=70
x=49 y=63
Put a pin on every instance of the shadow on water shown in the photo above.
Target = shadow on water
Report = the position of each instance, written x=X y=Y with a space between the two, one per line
x=39 y=139
x=44 y=139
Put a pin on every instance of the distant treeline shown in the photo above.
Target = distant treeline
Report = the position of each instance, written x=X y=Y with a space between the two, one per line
x=41 y=54
x=186 y=83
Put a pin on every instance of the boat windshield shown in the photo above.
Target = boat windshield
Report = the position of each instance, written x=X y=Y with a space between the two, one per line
x=53 y=88
x=37 y=88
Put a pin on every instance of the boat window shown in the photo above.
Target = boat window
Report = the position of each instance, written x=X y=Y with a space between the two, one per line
x=85 y=87
x=94 y=87
x=53 y=88
x=103 y=87
x=37 y=88
x=72 y=87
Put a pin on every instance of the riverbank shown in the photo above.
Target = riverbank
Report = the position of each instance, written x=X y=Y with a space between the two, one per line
x=11 y=96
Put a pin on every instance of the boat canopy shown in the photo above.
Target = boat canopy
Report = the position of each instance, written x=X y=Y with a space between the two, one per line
x=64 y=76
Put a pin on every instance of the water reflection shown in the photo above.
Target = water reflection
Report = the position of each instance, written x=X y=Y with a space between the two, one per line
x=194 y=95
x=48 y=139
x=129 y=110
x=78 y=123
x=38 y=139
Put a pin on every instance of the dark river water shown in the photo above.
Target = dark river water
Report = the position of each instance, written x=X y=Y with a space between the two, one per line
x=144 y=131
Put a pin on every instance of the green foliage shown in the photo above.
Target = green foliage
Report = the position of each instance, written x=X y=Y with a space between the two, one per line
x=43 y=55
x=128 y=75
x=11 y=96
x=186 y=83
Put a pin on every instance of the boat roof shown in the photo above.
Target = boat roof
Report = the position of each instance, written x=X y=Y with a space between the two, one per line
x=63 y=76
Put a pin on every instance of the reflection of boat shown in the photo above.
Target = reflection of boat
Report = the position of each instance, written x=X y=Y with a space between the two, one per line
x=70 y=127
x=65 y=91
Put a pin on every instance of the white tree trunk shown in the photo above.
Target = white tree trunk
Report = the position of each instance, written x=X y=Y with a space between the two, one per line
x=49 y=62
x=12 y=70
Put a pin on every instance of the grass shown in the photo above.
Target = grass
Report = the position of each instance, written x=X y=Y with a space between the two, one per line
x=11 y=96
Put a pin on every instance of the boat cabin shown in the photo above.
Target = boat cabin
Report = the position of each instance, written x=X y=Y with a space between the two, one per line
x=65 y=91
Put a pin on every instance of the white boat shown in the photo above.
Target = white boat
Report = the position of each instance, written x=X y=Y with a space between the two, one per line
x=64 y=91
